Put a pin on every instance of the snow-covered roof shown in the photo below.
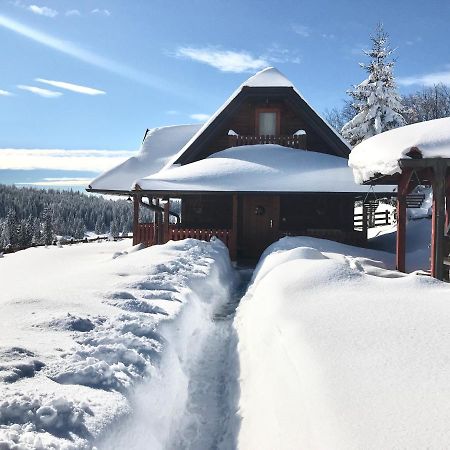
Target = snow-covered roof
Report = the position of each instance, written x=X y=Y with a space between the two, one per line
x=268 y=77
x=158 y=146
x=380 y=154
x=261 y=168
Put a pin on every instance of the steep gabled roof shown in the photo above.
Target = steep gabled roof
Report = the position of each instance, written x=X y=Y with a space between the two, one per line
x=158 y=146
x=267 y=81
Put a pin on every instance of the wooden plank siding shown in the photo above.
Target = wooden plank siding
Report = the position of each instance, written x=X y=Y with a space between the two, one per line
x=243 y=122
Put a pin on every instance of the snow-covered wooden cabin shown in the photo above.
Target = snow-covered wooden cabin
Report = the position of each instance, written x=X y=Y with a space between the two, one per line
x=265 y=165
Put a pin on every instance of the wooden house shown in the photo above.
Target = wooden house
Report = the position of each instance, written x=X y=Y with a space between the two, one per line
x=265 y=165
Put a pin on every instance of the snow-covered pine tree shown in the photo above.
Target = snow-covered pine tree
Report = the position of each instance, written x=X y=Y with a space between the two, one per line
x=376 y=100
x=47 y=232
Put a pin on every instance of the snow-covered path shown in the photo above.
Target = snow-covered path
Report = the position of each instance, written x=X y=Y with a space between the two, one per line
x=206 y=385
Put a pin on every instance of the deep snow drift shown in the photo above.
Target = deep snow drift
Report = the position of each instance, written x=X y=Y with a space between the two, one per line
x=83 y=326
x=338 y=352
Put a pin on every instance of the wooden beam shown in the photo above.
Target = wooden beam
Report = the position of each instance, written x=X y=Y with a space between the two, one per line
x=402 y=191
x=136 y=200
x=234 y=229
x=166 y=221
x=438 y=221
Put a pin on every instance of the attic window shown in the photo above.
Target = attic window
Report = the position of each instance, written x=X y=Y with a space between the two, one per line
x=267 y=122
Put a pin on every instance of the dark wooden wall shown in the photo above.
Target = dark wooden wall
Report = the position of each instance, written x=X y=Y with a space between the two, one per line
x=207 y=211
x=316 y=211
x=243 y=122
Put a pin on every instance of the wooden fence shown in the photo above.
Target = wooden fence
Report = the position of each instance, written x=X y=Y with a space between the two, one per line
x=285 y=141
x=145 y=234
x=203 y=234
x=379 y=218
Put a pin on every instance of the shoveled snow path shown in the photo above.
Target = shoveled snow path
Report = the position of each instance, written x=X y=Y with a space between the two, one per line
x=193 y=404
x=210 y=418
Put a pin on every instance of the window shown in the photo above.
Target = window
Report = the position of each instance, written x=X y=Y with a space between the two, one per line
x=267 y=121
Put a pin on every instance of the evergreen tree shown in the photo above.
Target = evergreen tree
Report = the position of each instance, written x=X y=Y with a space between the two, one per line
x=47 y=232
x=11 y=235
x=114 y=229
x=376 y=100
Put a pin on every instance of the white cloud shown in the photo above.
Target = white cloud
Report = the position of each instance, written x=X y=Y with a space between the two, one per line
x=40 y=91
x=200 y=117
x=224 y=60
x=301 y=30
x=71 y=87
x=172 y=112
x=86 y=56
x=429 y=79
x=103 y=12
x=43 y=11
x=63 y=182
x=73 y=12
x=4 y=93
x=79 y=160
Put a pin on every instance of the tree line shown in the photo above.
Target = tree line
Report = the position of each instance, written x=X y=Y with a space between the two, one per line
x=36 y=216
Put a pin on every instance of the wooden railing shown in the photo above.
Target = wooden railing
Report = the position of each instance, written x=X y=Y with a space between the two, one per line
x=203 y=234
x=145 y=234
x=286 y=141
x=374 y=219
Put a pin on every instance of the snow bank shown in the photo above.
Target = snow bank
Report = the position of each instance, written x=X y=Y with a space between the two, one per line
x=107 y=320
x=338 y=352
x=267 y=167
x=380 y=154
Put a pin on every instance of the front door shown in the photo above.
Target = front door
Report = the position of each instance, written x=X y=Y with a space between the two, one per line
x=260 y=224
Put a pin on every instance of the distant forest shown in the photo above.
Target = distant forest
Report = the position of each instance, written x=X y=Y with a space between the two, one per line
x=36 y=216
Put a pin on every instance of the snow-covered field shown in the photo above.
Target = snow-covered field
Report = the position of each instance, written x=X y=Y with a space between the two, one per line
x=84 y=325
x=118 y=347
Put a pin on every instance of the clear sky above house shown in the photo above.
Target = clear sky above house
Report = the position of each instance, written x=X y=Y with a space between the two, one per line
x=94 y=74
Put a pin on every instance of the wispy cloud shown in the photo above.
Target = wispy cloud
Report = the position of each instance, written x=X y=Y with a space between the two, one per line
x=301 y=30
x=224 y=60
x=276 y=54
x=172 y=112
x=86 y=56
x=428 y=79
x=79 y=160
x=102 y=12
x=200 y=117
x=40 y=91
x=73 y=12
x=5 y=93
x=43 y=11
x=71 y=87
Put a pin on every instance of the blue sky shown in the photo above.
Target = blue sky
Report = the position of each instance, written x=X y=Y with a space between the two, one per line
x=157 y=62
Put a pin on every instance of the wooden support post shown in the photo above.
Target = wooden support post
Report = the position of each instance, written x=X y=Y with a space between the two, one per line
x=447 y=206
x=402 y=191
x=136 y=199
x=364 y=220
x=438 y=221
x=158 y=227
x=166 y=221
x=234 y=229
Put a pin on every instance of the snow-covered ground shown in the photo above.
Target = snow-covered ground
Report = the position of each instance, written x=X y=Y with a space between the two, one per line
x=87 y=328
x=337 y=352
x=117 y=347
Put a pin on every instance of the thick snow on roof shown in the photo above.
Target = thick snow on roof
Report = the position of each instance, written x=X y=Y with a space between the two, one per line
x=269 y=77
x=262 y=168
x=380 y=154
x=158 y=146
